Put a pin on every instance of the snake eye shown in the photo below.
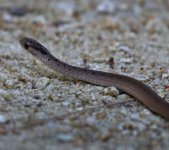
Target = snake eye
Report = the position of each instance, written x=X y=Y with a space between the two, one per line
x=26 y=45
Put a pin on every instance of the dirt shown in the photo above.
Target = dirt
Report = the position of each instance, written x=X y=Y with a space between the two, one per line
x=42 y=109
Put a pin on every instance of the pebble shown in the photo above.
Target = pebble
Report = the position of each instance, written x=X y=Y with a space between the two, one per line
x=91 y=120
x=39 y=19
x=122 y=97
x=108 y=100
x=3 y=131
x=135 y=116
x=17 y=11
x=28 y=85
x=9 y=83
x=111 y=91
x=68 y=7
x=144 y=113
x=65 y=137
x=6 y=95
x=66 y=103
x=53 y=97
x=106 y=6
x=3 y=119
x=123 y=48
x=60 y=94
x=162 y=94
x=165 y=75
x=7 y=18
x=93 y=96
x=140 y=77
x=126 y=60
x=123 y=110
x=154 y=127
x=156 y=26
x=42 y=82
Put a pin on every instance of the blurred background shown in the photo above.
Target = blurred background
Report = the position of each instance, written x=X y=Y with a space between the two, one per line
x=41 y=109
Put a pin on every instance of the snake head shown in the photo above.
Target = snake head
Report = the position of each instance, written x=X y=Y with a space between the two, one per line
x=33 y=46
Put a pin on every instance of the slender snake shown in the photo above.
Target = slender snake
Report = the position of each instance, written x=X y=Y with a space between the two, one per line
x=127 y=84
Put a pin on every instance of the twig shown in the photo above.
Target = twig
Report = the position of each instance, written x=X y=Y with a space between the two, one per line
x=77 y=112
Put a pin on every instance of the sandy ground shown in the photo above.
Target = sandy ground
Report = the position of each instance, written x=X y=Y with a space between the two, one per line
x=41 y=109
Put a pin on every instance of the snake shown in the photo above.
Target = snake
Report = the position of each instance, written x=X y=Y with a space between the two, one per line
x=132 y=86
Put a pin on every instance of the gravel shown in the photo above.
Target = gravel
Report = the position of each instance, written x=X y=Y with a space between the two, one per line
x=41 y=109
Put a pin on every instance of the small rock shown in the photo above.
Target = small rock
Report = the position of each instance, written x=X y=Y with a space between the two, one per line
x=68 y=7
x=40 y=20
x=101 y=115
x=93 y=97
x=123 y=110
x=126 y=60
x=7 y=17
x=42 y=82
x=6 y=95
x=3 y=92
x=140 y=77
x=162 y=94
x=122 y=97
x=90 y=120
x=165 y=75
x=135 y=116
x=17 y=11
x=141 y=126
x=154 y=127
x=66 y=103
x=9 y=83
x=53 y=97
x=3 y=131
x=156 y=26
x=28 y=85
x=65 y=137
x=123 y=48
x=106 y=6
x=112 y=91
x=3 y=119
x=144 y=113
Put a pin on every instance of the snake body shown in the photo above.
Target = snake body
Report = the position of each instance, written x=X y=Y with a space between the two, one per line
x=127 y=84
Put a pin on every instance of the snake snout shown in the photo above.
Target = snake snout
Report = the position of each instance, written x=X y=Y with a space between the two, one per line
x=24 y=43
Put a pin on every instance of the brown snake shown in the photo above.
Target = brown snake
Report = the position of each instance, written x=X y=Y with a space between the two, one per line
x=130 y=85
